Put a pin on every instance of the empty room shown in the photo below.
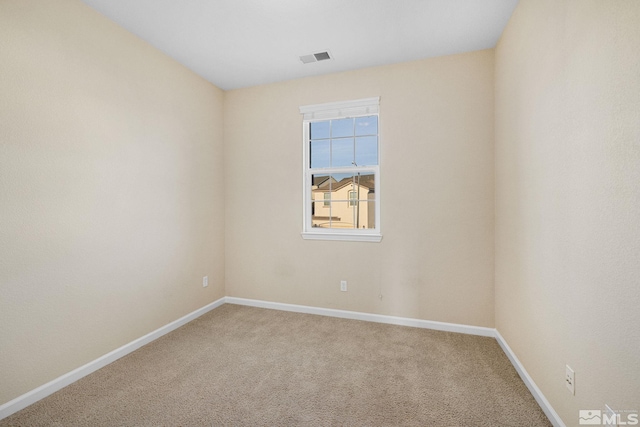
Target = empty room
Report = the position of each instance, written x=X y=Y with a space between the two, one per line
x=314 y=213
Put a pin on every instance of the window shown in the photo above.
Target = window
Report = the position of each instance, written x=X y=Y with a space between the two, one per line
x=341 y=171
x=353 y=198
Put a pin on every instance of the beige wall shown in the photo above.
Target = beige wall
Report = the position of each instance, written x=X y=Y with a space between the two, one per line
x=111 y=190
x=435 y=261
x=568 y=198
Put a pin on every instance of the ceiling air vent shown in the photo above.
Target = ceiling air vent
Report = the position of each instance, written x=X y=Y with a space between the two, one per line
x=315 y=57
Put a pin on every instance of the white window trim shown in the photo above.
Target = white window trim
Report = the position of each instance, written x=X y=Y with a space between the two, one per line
x=329 y=111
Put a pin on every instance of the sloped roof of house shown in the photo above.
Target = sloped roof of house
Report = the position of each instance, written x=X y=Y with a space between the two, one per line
x=323 y=182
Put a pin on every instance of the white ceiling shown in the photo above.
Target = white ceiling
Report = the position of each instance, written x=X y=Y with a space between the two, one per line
x=240 y=43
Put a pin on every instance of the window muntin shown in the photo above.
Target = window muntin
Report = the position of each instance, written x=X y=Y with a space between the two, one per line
x=344 y=142
x=341 y=182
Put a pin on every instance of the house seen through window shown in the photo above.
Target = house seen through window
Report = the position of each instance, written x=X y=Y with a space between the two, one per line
x=341 y=171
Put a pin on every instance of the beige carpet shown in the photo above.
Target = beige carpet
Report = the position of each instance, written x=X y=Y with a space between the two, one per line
x=240 y=366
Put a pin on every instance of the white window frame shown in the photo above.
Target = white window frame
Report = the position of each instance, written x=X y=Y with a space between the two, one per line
x=332 y=111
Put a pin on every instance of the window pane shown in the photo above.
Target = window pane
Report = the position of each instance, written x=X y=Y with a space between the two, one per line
x=367 y=150
x=320 y=184
x=342 y=186
x=367 y=182
x=320 y=215
x=319 y=130
x=320 y=153
x=338 y=178
x=365 y=214
x=341 y=127
x=367 y=125
x=362 y=184
x=342 y=152
x=344 y=201
x=341 y=215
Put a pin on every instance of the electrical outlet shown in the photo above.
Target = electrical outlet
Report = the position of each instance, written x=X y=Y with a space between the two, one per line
x=570 y=379
x=343 y=285
x=205 y=281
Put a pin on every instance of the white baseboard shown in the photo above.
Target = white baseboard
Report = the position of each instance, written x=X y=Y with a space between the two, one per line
x=378 y=318
x=51 y=387
x=531 y=385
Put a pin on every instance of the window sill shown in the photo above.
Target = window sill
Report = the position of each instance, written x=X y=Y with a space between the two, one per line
x=345 y=237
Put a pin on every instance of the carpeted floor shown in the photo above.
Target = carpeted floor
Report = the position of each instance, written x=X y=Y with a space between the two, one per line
x=245 y=366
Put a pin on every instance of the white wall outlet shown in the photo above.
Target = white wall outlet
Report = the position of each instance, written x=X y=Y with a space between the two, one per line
x=205 y=281
x=570 y=379
x=343 y=285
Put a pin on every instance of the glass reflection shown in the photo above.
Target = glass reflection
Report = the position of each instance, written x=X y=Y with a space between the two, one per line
x=366 y=125
x=366 y=151
x=342 y=201
x=342 y=152
x=320 y=153
x=319 y=130
x=341 y=128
